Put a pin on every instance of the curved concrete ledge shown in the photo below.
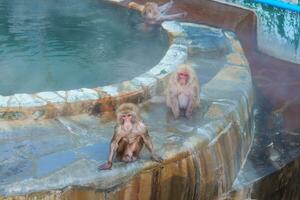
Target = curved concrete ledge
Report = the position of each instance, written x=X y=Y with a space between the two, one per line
x=60 y=103
x=201 y=157
x=49 y=104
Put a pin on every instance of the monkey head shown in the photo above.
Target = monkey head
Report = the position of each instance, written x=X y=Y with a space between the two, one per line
x=185 y=74
x=127 y=112
x=183 y=77
x=151 y=10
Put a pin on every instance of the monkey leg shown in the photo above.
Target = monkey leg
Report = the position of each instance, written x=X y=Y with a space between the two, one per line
x=175 y=108
x=189 y=109
x=138 y=145
x=121 y=148
x=132 y=150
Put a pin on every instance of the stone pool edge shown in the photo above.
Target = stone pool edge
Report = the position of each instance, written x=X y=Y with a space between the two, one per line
x=49 y=104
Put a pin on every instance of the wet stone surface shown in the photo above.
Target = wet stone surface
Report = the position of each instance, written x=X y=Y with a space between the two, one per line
x=16 y=171
x=40 y=153
x=53 y=162
x=208 y=42
x=35 y=153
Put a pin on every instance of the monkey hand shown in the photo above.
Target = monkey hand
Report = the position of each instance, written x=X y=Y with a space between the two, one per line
x=156 y=158
x=105 y=166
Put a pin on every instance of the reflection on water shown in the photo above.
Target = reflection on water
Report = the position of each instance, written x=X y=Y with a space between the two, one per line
x=278 y=30
x=69 y=44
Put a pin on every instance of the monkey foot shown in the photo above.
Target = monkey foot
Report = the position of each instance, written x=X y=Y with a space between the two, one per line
x=105 y=166
x=188 y=115
x=129 y=159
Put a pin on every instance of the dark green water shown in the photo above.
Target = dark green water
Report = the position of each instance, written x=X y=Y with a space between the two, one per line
x=69 y=44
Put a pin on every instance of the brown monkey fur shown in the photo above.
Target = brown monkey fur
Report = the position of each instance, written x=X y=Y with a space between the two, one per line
x=130 y=133
x=155 y=14
x=183 y=96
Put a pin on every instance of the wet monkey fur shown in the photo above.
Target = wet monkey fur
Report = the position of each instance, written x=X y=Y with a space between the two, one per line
x=182 y=93
x=130 y=134
x=154 y=13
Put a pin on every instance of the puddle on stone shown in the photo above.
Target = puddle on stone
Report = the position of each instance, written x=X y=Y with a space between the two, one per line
x=97 y=151
x=16 y=171
x=53 y=162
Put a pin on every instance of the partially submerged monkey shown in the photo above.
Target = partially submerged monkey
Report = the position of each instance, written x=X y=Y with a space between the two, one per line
x=182 y=92
x=130 y=134
x=155 y=14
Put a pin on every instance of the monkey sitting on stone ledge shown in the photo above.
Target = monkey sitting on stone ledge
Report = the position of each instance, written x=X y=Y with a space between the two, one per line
x=130 y=133
x=182 y=93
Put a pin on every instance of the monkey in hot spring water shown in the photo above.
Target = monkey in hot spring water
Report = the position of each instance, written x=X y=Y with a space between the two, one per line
x=152 y=13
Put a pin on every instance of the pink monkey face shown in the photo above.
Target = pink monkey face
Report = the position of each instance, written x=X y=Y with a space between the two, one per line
x=126 y=117
x=183 y=78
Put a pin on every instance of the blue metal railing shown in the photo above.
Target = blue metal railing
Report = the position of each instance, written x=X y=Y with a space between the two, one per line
x=280 y=4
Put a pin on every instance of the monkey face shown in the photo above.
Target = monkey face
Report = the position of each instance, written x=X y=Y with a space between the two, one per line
x=183 y=78
x=127 y=112
x=127 y=117
x=127 y=121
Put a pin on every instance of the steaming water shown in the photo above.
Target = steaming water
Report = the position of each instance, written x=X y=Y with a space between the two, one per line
x=69 y=44
x=278 y=30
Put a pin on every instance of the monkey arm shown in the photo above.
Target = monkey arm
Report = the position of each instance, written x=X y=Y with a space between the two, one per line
x=172 y=16
x=174 y=103
x=189 y=109
x=113 y=148
x=196 y=96
x=149 y=146
x=147 y=141
x=165 y=7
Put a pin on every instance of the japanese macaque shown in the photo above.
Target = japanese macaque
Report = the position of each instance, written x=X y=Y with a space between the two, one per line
x=130 y=134
x=155 y=14
x=182 y=92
